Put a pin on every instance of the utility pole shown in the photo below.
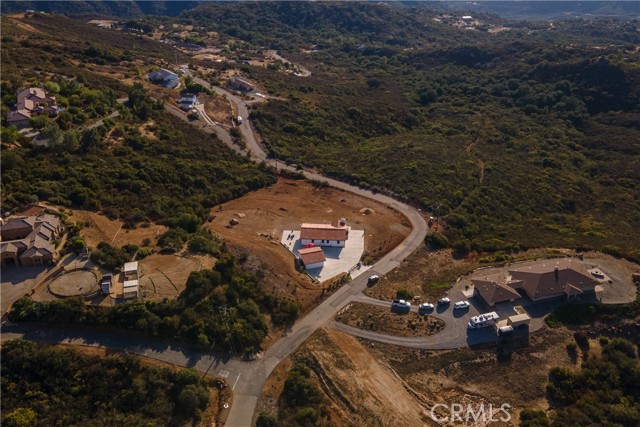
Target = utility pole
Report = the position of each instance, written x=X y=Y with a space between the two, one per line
x=212 y=360
x=234 y=320
x=223 y=315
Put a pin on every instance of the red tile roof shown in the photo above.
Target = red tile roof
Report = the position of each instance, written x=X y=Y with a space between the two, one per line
x=323 y=232
x=311 y=255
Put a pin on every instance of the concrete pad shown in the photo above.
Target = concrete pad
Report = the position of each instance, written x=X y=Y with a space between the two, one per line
x=339 y=260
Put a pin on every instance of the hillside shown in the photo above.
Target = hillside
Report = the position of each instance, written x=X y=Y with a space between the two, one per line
x=523 y=137
x=123 y=9
x=144 y=165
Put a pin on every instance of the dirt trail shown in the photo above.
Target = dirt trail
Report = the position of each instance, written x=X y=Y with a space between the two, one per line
x=378 y=387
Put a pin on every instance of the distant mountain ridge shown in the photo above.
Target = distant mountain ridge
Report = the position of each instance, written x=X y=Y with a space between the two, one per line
x=552 y=10
x=528 y=10
x=121 y=9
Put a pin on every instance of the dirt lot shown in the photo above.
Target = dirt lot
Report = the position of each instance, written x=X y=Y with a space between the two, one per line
x=477 y=375
x=383 y=320
x=165 y=276
x=264 y=214
x=359 y=390
x=98 y=228
x=217 y=107
x=425 y=273
x=619 y=271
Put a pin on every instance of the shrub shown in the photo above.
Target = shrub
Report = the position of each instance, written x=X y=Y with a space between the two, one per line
x=404 y=294
x=532 y=418
x=437 y=240
x=267 y=419
x=462 y=247
x=298 y=388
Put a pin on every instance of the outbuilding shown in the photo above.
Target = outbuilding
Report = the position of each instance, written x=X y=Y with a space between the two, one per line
x=130 y=289
x=312 y=257
x=131 y=271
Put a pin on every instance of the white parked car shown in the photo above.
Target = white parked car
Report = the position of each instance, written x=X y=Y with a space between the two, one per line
x=401 y=304
x=443 y=301
x=424 y=307
x=461 y=304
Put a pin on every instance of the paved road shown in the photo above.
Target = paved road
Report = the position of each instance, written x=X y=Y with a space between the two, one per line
x=250 y=376
x=454 y=335
x=250 y=386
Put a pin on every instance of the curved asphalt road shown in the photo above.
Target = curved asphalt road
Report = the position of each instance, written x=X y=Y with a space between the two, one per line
x=246 y=378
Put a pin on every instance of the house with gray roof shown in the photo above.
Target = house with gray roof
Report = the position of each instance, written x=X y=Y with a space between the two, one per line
x=165 y=78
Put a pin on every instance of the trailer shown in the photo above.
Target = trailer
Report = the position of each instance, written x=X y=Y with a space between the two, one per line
x=483 y=320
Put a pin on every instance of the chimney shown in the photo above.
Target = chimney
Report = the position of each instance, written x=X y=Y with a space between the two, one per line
x=556 y=271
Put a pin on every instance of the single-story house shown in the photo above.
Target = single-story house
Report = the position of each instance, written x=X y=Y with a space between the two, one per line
x=187 y=101
x=105 y=283
x=312 y=257
x=131 y=271
x=130 y=289
x=29 y=241
x=335 y=234
x=164 y=77
x=554 y=278
x=239 y=84
x=32 y=101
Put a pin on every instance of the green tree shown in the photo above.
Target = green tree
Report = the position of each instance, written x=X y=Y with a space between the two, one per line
x=20 y=417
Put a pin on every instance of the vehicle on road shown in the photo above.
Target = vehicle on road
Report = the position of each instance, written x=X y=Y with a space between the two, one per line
x=483 y=320
x=372 y=280
x=425 y=307
x=239 y=120
x=400 y=305
x=461 y=304
x=444 y=301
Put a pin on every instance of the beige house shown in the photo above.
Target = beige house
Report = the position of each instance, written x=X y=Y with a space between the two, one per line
x=29 y=241
x=32 y=101
x=553 y=278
